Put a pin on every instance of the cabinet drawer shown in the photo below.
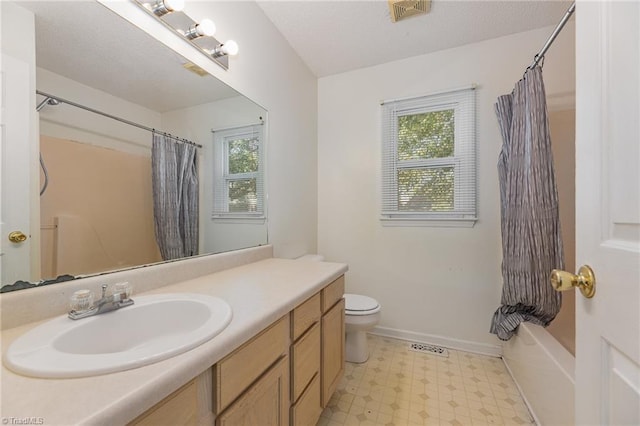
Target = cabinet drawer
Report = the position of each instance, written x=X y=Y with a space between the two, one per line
x=265 y=403
x=306 y=411
x=305 y=315
x=243 y=366
x=305 y=361
x=332 y=293
x=179 y=408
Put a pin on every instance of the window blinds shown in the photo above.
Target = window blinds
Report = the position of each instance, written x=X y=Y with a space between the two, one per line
x=429 y=157
x=238 y=159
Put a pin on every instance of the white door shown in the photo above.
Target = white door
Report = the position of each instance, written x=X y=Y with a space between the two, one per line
x=15 y=112
x=608 y=211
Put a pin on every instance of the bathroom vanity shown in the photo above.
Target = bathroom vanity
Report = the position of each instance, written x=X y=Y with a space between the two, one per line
x=278 y=361
x=284 y=375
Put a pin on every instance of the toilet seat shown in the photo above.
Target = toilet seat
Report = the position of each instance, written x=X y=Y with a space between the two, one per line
x=357 y=304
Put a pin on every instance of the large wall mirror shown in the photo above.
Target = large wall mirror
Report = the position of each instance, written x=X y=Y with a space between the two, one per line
x=95 y=213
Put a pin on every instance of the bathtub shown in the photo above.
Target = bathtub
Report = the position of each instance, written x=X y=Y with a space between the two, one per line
x=544 y=372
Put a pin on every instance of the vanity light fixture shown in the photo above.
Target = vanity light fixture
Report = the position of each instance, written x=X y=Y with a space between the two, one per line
x=229 y=47
x=197 y=33
x=206 y=28
x=162 y=7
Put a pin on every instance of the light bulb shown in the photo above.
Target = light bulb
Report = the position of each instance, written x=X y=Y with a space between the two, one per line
x=162 y=7
x=174 y=5
x=206 y=28
x=230 y=48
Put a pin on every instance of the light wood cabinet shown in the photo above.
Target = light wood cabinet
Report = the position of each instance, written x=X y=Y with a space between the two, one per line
x=306 y=411
x=333 y=338
x=235 y=372
x=179 y=408
x=265 y=403
x=333 y=347
x=332 y=293
x=305 y=362
x=305 y=315
x=283 y=376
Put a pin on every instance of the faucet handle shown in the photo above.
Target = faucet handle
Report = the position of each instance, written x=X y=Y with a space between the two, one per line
x=104 y=290
x=81 y=300
x=124 y=289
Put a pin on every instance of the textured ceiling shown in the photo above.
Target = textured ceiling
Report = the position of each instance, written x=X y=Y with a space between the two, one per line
x=88 y=43
x=337 y=36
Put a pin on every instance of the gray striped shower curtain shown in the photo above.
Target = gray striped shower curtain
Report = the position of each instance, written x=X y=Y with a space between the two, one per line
x=174 y=170
x=531 y=238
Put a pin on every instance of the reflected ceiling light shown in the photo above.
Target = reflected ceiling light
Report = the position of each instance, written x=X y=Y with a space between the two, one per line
x=199 y=34
x=205 y=28
x=162 y=7
x=229 y=47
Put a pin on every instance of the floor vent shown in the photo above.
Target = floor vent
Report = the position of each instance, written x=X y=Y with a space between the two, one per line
x=429 y=349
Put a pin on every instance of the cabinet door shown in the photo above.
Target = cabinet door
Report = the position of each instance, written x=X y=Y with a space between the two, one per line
x=266 y=403
x=179 y=408
x=333 y=346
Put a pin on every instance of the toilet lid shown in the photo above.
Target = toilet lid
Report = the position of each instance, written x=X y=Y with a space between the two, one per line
x=357 y=304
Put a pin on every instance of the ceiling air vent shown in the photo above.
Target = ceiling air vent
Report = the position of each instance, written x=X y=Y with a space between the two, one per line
x=401 y=9
x=195 y=69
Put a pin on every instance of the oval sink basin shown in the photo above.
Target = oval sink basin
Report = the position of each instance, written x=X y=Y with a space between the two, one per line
x=155 y=328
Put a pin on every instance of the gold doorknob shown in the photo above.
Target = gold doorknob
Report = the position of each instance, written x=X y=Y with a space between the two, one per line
x=17 y=237
x=585 y=281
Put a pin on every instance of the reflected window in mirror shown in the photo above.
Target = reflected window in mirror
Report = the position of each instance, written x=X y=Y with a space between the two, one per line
x=239 y=173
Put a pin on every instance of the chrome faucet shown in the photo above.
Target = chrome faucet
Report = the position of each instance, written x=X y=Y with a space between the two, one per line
x=117 y=300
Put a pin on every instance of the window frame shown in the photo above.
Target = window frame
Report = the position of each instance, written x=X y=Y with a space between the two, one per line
x=222 y=177
x=463 y=161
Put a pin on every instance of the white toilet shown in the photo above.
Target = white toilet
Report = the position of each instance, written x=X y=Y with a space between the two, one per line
x=362 y=313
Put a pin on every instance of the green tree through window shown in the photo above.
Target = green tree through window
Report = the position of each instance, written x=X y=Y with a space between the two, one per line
x=429 y=159
x=427 y=135
x=238 y=173
x=420 y=137
x=243 y=157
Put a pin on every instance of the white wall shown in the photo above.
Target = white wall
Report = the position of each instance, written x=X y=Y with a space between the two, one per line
x=269 y=72
x=435 y=283
x=68 y=122
x=195 y=124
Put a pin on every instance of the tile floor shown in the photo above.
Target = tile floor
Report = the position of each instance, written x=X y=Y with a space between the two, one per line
x=400 y=387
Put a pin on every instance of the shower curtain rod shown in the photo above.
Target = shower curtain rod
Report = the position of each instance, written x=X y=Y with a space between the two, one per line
x=540 y=55
x=122 y=120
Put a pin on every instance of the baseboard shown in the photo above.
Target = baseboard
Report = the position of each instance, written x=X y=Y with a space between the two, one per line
x=532 y=413
x=460 y=345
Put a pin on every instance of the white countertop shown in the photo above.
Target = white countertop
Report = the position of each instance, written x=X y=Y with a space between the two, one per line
x=259 y=294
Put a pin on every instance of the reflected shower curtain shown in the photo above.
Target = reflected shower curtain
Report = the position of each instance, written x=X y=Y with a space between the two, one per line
x=531 y=239
x=175 y=197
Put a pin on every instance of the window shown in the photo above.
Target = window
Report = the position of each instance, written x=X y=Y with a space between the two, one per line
x=238 y=173
x=429 y=160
